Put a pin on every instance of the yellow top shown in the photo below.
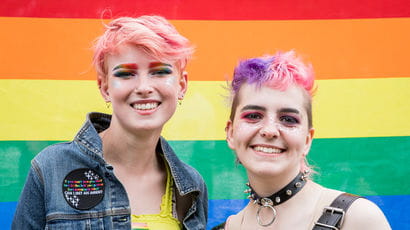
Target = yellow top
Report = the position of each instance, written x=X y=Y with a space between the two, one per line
x=162 y=221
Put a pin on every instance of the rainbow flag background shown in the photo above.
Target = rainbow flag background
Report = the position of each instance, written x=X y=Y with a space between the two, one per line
x=359 y=49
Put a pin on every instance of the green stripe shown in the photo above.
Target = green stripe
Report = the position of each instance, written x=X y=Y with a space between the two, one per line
x=14 y=166
x=365 y=166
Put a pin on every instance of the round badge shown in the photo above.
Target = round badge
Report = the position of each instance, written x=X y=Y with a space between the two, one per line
x=83 y=188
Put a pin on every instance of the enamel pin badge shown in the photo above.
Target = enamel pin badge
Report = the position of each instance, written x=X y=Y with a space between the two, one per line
x=83 y=188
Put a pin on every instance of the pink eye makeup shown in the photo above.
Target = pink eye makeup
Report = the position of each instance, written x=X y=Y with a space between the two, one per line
x=252 y=113
x=251 y=116
x=289 y=120
x=289 y=117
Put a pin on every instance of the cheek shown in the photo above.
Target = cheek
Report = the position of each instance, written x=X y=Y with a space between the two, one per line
x=170 y=81
x=115 y=84
x=244 y=132
x=295 y=137
x=290 y=131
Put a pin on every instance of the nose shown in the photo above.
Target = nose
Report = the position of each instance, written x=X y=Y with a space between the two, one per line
x=269 y=130
x=143 y=86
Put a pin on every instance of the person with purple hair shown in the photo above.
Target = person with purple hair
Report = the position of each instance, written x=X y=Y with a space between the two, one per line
x=270 y=129
x=118 y=172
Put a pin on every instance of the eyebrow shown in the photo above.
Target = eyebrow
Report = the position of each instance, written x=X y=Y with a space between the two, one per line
x=288 y=110
x=261 y=108
x=157 y=64
x=126 y=66
x=253 y=107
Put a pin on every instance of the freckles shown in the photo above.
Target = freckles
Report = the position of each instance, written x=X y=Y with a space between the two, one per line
x=294 y=131
x=246 y=130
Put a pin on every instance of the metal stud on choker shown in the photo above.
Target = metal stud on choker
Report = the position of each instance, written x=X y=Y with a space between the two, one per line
x=277 y=198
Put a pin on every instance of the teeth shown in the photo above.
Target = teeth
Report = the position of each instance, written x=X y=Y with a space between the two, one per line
x=145 y=106
x=267 y=150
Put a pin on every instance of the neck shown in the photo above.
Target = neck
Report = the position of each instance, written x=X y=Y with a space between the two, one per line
x=130 y=150
x=281 y=196
x=268 y=185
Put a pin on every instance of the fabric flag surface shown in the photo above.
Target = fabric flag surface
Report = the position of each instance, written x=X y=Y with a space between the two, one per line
x=359 y=52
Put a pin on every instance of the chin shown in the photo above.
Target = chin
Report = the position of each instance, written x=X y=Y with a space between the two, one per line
x=265 y=170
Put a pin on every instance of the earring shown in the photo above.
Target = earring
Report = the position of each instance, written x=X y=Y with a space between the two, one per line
x=180 y=102
x=108 y=104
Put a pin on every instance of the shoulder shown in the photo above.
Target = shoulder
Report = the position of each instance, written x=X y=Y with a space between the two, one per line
x=234 y=221
x=54 y=153
x=364 y=214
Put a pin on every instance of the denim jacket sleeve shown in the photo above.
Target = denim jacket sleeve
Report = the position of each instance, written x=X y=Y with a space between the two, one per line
x=30 y=211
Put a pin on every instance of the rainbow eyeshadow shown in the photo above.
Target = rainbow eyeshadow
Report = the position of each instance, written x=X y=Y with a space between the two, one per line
x=124 y=73
x=159 y=68
x=125 y=70
x=126 y=66
x=159 y=64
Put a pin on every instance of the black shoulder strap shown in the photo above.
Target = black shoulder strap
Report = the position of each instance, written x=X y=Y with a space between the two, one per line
x=333 y=216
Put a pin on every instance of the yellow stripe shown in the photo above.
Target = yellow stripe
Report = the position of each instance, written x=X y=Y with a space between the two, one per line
x=43 y=48
x=54 y=110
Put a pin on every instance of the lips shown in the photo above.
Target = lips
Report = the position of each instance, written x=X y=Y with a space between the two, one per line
x=267 y=149
x=145 y=106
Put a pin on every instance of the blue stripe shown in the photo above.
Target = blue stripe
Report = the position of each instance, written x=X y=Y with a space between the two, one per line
x=394 y=207
x=6 y=214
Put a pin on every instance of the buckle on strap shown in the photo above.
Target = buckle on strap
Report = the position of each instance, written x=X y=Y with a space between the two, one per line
x=326 y=226
x=333 y=211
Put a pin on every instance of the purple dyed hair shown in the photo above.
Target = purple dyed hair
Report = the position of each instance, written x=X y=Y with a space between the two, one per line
x=279 y=72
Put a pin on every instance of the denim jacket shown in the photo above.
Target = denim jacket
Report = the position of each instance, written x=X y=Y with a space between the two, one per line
x=70 y=186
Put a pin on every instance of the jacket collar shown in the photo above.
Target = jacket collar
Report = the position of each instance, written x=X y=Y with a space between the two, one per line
x=183 y=179
x=88 y=134
x=89 y=138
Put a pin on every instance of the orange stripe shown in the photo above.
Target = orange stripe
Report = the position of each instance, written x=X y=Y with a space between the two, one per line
x=35 y=48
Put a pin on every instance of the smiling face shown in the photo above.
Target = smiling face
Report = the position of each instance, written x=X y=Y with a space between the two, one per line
x=143 y=91
x=269 y=131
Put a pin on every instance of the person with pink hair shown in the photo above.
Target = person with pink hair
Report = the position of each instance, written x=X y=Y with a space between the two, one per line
x=118 y=172
x=271 y=131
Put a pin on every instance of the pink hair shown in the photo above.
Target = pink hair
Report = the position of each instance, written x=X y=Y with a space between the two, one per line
x=154 y=34
x=287 y=69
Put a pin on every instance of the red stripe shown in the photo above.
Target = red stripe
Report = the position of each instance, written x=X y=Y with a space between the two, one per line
x=210 y=9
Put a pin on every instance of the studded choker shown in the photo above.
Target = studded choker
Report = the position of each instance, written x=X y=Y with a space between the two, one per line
x=277 y=198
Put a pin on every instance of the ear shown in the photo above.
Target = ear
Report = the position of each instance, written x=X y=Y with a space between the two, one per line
x=183 y=84
x=229 y=135
x=308 y=143
x=103 y=86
